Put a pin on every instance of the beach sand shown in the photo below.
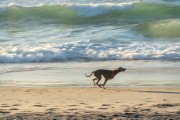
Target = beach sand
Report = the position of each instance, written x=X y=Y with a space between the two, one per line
x=89 y=103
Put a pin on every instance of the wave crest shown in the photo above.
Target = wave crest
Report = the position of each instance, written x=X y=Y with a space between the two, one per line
x=61 y=11
x=160 y=29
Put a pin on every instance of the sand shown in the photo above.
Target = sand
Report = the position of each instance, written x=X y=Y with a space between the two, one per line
x=89 y=103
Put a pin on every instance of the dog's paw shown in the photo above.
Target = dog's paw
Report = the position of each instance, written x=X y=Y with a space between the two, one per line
x=100 y=85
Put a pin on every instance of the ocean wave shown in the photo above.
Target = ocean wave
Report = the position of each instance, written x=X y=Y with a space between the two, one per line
x=88 y=51
x=160 y=29
x=131 y=11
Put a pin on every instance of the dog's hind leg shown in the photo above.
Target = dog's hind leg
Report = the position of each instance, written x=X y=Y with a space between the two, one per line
x=97 y=83
x=94 y=81
x=98 y=76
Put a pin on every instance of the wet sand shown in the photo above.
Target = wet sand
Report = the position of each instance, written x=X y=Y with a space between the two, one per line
x=89 y=103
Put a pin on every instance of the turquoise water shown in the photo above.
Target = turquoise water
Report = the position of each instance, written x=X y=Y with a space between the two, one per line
x=70 y=33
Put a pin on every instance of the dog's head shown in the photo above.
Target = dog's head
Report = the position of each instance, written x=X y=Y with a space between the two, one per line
x=121 y=69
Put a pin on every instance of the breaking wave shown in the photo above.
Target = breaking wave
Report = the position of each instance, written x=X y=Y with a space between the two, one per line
x=89 y=51
x=68 y=11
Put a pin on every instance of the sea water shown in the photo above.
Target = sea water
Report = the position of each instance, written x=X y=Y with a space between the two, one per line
x=55 y=42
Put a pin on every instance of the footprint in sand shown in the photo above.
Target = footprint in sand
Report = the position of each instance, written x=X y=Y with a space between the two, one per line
x=39 y=105
x=116 y=102
x=27 y=91
x=89 y=107
x=105 y=105
x=52 y=109
x=82 y=103
x=72 y=109
x=103 y=108
x=72 y=105
x=118 y=91
x=140 y=104
x=16 y=105
x=13 y=109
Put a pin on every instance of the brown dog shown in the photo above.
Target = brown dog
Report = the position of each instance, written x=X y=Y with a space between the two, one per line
x=108 y=74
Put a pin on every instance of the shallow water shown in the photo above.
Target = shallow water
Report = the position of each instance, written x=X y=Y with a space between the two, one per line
x=72 y=74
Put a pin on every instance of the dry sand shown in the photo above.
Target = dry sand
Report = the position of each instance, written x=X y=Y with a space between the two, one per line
x=89 y=103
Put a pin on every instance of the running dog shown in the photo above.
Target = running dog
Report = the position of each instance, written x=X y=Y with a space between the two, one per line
x=108 y=74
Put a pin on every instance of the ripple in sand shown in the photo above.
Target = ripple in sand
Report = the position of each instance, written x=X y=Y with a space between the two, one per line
x=5 y=106
x=4 y=112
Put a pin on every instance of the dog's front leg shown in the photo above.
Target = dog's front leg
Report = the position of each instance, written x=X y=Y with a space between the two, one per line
x=97 y=83
x=104 y=83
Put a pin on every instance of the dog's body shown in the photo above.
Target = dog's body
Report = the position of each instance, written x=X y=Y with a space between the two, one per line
x=107 y=74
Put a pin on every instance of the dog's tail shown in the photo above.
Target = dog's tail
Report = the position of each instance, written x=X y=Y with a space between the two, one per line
x=90 y=74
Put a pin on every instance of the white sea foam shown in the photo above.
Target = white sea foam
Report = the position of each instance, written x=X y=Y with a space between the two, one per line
x=88 y=51
x=92 y=9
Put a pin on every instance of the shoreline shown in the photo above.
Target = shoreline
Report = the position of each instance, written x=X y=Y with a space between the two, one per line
x=89 y=103
x=88 y=86
x=151 y=73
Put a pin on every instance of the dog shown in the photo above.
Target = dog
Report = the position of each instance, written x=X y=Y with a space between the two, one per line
x=108 y=74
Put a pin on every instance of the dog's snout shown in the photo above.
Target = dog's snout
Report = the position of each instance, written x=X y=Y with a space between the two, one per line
x=121 y=69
